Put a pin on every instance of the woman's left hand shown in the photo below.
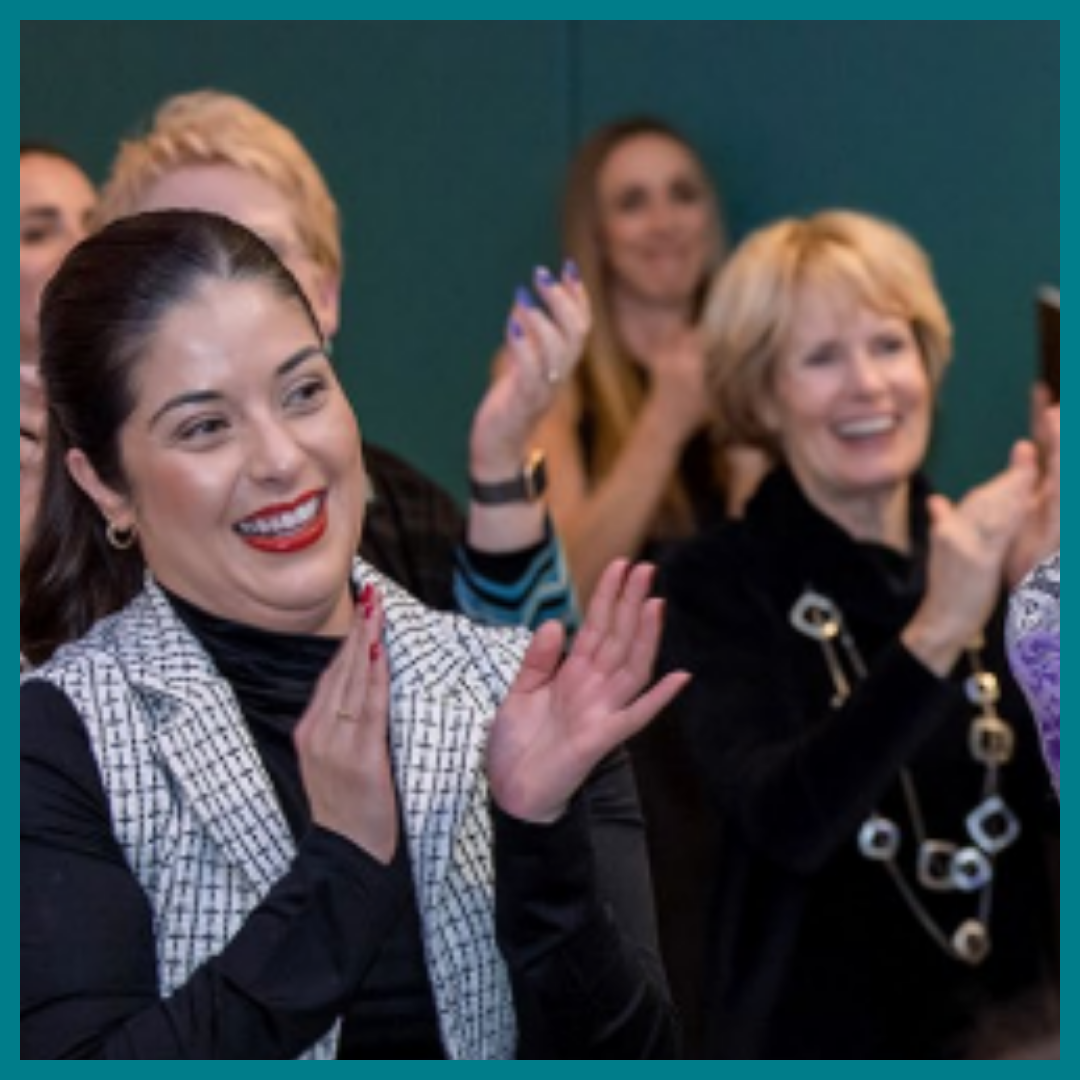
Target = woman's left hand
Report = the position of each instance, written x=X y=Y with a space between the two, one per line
x=1040 y=534
x=560 y=720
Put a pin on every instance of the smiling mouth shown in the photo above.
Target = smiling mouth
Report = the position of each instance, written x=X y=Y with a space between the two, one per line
x=286 y=530
x=869 y=428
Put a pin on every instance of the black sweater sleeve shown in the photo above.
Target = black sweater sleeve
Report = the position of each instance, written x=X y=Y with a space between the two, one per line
x=795 y=775
x=576 y=925
x=88 y=971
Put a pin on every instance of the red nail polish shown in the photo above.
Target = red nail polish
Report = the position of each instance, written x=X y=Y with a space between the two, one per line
x=376 y=653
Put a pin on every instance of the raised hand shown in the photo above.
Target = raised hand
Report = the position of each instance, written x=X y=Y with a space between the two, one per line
x=545 y=342
x=969 y=545
x=1040 y=532
x=32 y=427
x=343 y=740
x=560 y=720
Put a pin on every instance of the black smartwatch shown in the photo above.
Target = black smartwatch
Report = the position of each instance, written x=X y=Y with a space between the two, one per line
x=528 y=486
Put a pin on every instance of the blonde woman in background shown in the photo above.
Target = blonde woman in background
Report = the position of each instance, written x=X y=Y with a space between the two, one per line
x=881 y=876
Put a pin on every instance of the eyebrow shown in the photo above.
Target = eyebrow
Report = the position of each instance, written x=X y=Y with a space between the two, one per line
x=40 y=213
x=204 y=397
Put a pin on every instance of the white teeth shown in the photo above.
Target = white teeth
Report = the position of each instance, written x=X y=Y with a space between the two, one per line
x=861 y=429
x=282 y=524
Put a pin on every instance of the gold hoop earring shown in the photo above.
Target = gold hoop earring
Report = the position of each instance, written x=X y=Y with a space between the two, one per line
x=121 y=539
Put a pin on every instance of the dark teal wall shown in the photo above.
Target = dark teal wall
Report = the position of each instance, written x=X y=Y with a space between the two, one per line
x=445 y=143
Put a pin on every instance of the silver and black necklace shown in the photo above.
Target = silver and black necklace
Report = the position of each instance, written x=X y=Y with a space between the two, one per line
x=943 y=866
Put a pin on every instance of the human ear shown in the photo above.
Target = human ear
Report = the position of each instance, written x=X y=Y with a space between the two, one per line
x=115 y=508
x=326 y=302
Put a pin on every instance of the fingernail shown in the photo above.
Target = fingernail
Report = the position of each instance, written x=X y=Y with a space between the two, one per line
x=375 y=653
x=517 y=331
x=524 y=298
x=571 y=270
x=544 y=277
x=366 y=596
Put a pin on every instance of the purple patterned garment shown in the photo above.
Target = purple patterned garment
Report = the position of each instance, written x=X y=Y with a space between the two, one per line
x=1033 y=637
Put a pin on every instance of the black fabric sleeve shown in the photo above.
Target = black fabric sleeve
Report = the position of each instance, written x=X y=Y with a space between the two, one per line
x=504 y=567
x=88 y=971
x=576 y=925
x=412 y=528
x=797 y=784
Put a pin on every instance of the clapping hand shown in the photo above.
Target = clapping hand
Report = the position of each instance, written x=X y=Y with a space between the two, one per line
x=561 y=719
x=970 y=543
x=1040 y=532
x=342 y=740
x=544 y=342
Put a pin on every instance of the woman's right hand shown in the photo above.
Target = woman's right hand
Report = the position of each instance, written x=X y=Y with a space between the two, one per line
x=969 y=545
x=343 y=740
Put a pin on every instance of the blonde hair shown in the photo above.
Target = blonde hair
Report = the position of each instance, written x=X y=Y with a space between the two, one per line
x=610 y=385
x=752 y=308
x=208 y=127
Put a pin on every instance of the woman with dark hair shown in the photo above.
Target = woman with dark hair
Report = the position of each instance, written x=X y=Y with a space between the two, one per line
x=501 y=563
x=271 y=807
x=55 y=201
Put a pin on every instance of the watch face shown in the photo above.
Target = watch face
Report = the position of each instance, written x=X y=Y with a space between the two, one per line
x=534 y=476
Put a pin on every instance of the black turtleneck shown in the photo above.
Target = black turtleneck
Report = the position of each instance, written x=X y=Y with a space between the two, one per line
x=814 y=952
x=274 y=677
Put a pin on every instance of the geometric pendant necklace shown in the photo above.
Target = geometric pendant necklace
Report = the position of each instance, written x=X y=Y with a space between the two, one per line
x=943 y=866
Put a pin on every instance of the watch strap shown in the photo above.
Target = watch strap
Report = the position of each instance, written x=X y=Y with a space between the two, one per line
x=528 y=486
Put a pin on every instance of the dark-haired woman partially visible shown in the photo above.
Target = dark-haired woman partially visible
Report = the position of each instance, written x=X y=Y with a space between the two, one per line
x=271 y=807
x=55 y=201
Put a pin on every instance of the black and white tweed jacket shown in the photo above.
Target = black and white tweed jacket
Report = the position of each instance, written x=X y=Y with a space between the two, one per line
x=196 y=814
